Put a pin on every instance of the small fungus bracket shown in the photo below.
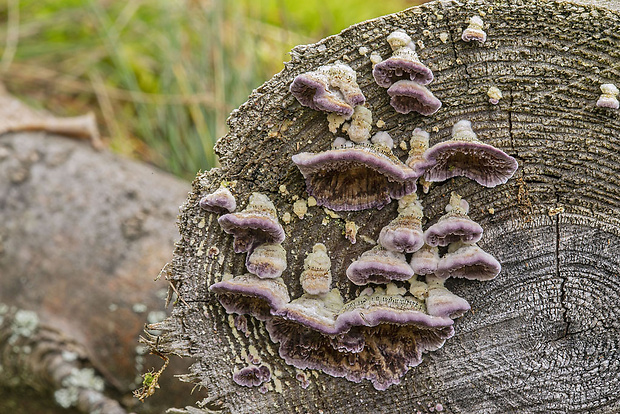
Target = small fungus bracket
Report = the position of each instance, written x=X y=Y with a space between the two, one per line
x=557 y=295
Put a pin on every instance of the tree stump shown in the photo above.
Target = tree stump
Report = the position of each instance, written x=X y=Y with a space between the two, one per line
x=542 y=336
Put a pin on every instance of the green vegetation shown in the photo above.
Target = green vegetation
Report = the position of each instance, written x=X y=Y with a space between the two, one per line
x=162 y=75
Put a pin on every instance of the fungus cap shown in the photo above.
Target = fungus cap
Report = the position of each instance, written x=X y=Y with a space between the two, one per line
x=609 y=97
x=252 y=376
x=220 y=201
x=441 y=302
x=465 y=155
x=453 y=226
x=267 y=260
x=379 y=265
x=474 y=31
x=317 y=312
x=257 y=223
x=252 y=295
x=409 y=96
x=352 y=178
x=331 y=88
x=467 y=261
x=404 y=64
x=425 y=260
x=404 y=233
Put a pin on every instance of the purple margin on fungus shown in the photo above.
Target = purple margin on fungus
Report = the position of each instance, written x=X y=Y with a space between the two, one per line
x=409 y=96
x=404 y=64
x=379 y=265
x=355 y=178
x=404 y=233
x=267 y=260
x=257 y=223
x=252 y=376
x=249 y=294
x=220 y=201
x=453 y=226
x=465 y=155
x=331 y=88
x=468 y=261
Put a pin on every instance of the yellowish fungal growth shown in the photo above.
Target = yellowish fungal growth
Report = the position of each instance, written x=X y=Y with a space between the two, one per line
x=494 y=95
x=317 y=277
x=300 y=208
x=350 y=231
x=361 y=123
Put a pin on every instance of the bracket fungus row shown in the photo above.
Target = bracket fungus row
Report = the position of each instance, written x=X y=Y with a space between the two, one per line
x=381 y=332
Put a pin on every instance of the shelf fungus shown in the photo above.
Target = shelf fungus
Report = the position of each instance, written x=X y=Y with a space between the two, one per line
x=441 y=302
x=404 y=64
x=316 y=277
x=404 y=233
x=467 y=261
x=405 y=76
x=252 y=376
x=267 y=260
x=379 y=265
x=258 y=223
x=249 y=294
x=425 y=260
x=465 y=155
x=609 y=96
x=355 y=177
x=474 y=31
x=410 y=96
x=220 y=201
x=330 y=88
x=453 y=226
x=377 y=337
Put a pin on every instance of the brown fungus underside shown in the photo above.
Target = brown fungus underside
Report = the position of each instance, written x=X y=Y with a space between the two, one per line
x=537 y=314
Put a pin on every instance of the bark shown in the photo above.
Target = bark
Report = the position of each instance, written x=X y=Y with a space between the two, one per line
x=83 y=233
x=541 y=337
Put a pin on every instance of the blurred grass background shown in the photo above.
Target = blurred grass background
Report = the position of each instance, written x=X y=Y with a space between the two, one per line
x=161 y=75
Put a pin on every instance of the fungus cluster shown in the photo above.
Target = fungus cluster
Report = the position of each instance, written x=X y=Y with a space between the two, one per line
x=405 y=76
x=403 y=308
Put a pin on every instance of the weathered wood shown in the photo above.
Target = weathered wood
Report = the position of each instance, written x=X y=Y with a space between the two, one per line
x=544 y=335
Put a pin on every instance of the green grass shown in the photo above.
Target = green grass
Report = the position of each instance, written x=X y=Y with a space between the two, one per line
x=162 y=75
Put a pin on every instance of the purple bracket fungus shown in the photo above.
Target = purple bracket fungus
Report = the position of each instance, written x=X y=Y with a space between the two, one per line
x=609 y=96
x=220 y=201
x=404 y=64
x=409 y=96
x=252 y=376
x=474 y=31
x=404 y=233
x=465 y=155
x=384 y=306
x=267 y=260
x=425 y=260
x=317 y=276
x=249 y=294
x=441 y=302
x=453 y=226
x=258 y=223
x=379 y=265
x=317 y=312
x=418 y=146
x=361 y=124
x=467 y=261
x=331 y=88
x=382 y=337
x=353 y=178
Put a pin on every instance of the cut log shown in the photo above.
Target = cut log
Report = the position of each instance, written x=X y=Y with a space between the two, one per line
x=544 y=335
